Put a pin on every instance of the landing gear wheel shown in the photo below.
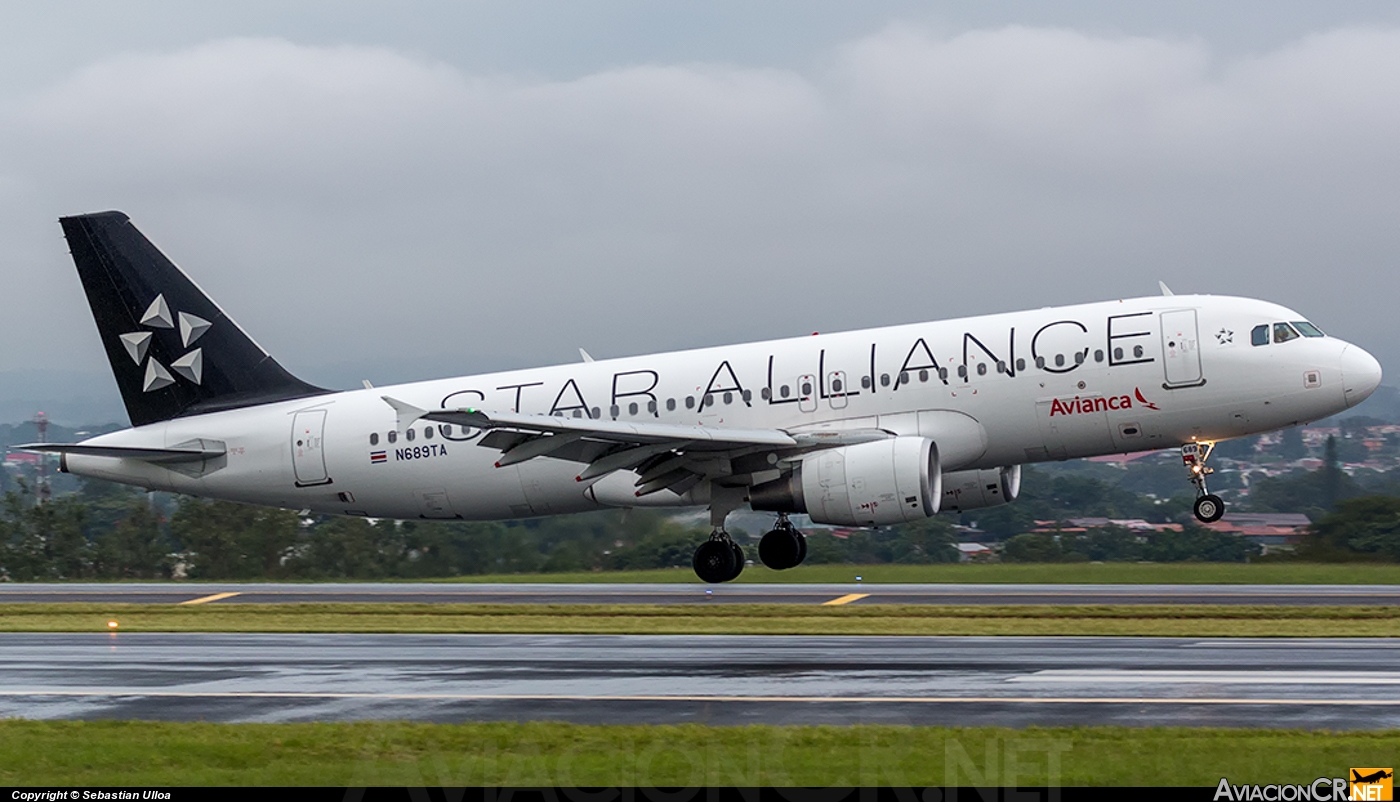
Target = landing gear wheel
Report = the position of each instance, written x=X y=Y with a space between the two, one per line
x=802 y=547
x=738 y=560
x=714 y=561
x=1209 y=508
x=781 y=548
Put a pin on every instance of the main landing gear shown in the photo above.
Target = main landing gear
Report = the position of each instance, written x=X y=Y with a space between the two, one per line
x=1209 y=507
x=783 y=547
x=720 y=559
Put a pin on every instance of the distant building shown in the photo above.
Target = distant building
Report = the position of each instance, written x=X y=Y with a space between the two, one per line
x=967 y=552
x=1276 y=530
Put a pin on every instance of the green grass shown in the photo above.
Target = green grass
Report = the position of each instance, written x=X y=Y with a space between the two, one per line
x=715 y=619
x=128 y=753
x=1039 y=573
x=1271 y=573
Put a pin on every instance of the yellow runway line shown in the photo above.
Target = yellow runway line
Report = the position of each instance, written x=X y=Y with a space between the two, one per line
x=205 y=599
x=847 y=599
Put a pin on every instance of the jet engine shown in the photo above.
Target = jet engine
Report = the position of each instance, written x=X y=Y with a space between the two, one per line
x=989 y=487
x=891 y=481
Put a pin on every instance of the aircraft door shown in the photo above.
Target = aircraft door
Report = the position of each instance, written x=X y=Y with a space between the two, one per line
x=1181 y=349
x=837 y=388
x=807 y=393
x=308 y=448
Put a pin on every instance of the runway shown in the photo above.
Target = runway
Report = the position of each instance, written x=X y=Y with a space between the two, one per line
x=543 y=593
x=1013 y=681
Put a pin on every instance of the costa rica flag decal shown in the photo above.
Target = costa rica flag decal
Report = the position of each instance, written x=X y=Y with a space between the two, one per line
x=376 y=457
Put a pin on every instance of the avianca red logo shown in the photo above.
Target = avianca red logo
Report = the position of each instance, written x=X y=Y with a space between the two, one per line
x=1086 y=406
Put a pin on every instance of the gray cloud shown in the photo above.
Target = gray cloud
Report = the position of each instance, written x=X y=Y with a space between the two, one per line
x=364 y=210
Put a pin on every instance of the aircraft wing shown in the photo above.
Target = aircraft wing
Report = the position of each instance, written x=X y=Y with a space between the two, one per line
x=667 y=456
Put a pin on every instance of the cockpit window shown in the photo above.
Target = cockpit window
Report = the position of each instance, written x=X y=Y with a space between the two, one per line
x=1260 y=335
x=1284 y=332
x=1307 y=329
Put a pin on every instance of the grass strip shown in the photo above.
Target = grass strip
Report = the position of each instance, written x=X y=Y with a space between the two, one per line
x=131 y=753
x=715 y=619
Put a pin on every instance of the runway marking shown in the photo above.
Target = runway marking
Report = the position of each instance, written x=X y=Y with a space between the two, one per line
x=847 y=599
x=207 y=599
x=1220 y=677
x=512 y=697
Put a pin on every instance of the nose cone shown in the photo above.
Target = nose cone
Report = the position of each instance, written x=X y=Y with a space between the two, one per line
x=1361 y=375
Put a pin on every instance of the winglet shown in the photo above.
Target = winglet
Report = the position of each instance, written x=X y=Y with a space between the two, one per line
x=584 y=354
x=1165 y=289
x=407 y=413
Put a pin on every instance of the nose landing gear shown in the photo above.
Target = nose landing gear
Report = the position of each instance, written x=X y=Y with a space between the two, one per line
x=1208 y=507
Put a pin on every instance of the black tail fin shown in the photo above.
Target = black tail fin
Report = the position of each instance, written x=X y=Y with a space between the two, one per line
x=174 y=352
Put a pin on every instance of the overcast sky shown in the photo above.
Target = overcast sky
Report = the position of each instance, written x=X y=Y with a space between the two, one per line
x=410 y=190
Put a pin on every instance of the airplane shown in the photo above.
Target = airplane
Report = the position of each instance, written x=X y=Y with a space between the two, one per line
x=855 y=429
x=1373 y=777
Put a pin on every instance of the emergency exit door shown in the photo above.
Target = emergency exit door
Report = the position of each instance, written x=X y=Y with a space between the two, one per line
x=308 y=448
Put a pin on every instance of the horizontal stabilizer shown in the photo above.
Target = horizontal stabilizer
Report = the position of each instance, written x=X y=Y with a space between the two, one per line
x=191 y=451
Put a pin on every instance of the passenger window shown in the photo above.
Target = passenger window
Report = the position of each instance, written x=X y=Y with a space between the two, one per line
x=904 y=377
x=427 y=433
x=1001 y=366
x=1118 y=353
x=943 y=374
x=1098 y=355
x=374 y=438
x=1284 y=332
x=923 y=375
x=836 y=385
x=1040 y=362
x=981 y=368
x=578 y=413
x=962 y=371
x=1137 y=352
x=865 y=382
x=784 y=391
x=614 y=411
x=632 y=408
x=806 y=388
x=651 y=407
x=728 y=398
x=1059 y=360
x=748 y=395
x=884 y=380
x=1079 y=357
x=393 y=437
x=670 y=405
x=1307 y=329
x=690 y=401
x=409 y=435
x=1021 y=363
x=1259 y=335
x=595 y=413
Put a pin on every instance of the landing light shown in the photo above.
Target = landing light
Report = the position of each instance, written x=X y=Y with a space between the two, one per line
x=112 y=624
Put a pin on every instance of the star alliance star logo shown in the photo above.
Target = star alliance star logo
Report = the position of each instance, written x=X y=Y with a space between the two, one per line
x=1224 y=336
x=138 y=343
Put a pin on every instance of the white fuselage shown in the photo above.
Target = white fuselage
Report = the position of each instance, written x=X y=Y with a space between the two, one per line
x=994 y=390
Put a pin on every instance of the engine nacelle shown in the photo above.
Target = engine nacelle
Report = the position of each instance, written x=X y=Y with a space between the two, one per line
x=989 y=487
x=884 y=482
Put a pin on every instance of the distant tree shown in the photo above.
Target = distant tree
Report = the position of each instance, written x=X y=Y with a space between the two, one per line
x=225 y=540
x=1331 y=474
x=134 y=547
x=1032 y=548
x=42 y=540
x=1361 y=528
x=1290 y=446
